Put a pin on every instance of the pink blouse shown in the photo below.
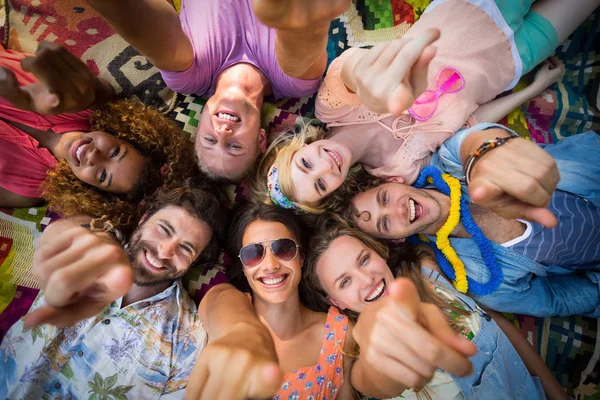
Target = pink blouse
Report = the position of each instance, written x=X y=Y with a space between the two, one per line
x=473 y=48
x=23 y=165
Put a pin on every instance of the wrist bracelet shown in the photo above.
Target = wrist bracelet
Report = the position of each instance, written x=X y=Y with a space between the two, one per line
x=484 y=148
x=103 y=224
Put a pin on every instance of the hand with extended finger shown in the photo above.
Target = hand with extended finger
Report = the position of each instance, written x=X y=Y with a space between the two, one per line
x=406 y=340
x=390 y=76
x=298 y=14
x=549 y=73
x=80 y=272
x=65 y=83
x=516 y=180
x=240 y=365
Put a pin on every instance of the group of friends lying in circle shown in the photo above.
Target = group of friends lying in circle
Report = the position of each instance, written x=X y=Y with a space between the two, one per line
x=372 y=257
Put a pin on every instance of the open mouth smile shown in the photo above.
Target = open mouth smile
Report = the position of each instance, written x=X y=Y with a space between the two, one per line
x=377 y=292
x=415 y=210
x=78 y=150
x=273 y=281
x=336 y=158
x=153 y=263
x=228 y=116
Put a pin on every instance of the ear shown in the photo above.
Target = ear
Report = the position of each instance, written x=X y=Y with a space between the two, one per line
x=335 y=303
x=262 y=140
x=395 y=179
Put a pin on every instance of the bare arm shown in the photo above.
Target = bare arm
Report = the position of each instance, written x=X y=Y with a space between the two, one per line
x=302 y=28
x=155 y=30
x=515 y=180
x=240 y=348
x=302 y=54
x=497 y=109
x=9 y=199
x=224 y=308
x=531 y=359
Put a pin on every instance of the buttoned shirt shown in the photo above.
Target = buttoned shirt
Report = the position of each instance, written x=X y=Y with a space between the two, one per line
x=142 y=351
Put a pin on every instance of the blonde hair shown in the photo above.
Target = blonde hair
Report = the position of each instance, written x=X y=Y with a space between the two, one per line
x=281 y=151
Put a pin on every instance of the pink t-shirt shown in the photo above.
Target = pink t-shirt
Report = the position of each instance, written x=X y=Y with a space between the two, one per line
x=224 y=33
x=23 y=165
x=474 y=42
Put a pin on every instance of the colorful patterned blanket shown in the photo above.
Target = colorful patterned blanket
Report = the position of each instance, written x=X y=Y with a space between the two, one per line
x=570 y=346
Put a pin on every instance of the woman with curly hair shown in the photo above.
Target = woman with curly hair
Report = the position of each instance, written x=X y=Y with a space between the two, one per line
x=95 y=163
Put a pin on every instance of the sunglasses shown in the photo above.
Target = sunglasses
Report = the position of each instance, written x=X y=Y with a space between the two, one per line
x=448 y=80
x=252 y=254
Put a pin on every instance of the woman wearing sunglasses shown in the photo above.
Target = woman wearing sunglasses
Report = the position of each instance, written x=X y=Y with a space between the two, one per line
x=349 y=269
x=460 y=55
x=267 y=244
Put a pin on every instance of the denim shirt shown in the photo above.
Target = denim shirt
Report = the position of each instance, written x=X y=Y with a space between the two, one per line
x=498 y=370
x=529 y=287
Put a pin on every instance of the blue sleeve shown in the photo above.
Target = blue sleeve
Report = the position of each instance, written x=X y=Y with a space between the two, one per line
x=447 y=158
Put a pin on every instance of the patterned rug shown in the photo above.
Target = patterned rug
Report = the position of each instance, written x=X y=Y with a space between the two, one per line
x=570 y=346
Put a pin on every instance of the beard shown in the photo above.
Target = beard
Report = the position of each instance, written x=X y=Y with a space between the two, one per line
x=142 y=276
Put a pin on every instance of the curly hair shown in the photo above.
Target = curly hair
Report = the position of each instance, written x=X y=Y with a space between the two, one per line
x=402 y=259
x=169 y=160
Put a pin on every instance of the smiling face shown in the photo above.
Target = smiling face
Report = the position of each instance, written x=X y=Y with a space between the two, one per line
x=229 y=137
x=103 y=160
x=318 y=169
x=352 y=274
x=273 y=280
x=164 y=246
x=396 y=211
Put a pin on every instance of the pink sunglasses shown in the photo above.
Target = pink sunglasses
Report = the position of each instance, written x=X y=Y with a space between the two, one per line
x=448 y=80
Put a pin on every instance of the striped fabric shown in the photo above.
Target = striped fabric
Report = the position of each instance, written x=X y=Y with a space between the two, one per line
x=575 y=241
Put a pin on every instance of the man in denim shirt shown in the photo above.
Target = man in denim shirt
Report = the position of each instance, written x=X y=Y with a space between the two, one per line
x=549 y=269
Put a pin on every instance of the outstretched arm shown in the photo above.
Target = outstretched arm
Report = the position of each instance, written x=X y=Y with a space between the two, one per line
x=495 y=110
x=302 y=31
x=80 y=272
x=515 y=180
x=240 y=348
x=390 y=76
x=402 y=342
x=152 y=27
x=64 y=83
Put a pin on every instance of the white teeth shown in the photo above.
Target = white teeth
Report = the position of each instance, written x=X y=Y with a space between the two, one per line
x=377 y=292
x=79 y=151
x=229 y=117
x=411 y=204
x=274 y=281
x=153 y=261
x=335 y=158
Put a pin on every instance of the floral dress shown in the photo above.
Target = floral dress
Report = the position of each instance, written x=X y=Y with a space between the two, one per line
x=323 y=380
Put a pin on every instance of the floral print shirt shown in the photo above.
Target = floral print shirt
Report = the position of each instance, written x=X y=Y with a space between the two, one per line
x=143 y=351
x=323 y=380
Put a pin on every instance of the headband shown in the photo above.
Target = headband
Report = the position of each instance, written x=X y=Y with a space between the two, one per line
x=275 y=193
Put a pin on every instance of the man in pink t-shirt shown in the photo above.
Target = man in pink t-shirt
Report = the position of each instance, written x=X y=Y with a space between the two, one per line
x=237 y=52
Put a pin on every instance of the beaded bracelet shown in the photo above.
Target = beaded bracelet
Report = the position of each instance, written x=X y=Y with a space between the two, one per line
x=484 y=148
x=103 y=224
